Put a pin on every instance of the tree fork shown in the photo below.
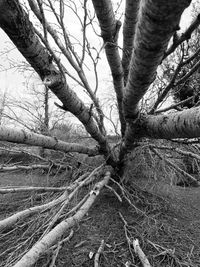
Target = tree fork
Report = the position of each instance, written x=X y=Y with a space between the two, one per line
x=15 y=22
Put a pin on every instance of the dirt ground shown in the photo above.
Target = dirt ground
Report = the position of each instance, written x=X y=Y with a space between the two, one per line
x=168 y=231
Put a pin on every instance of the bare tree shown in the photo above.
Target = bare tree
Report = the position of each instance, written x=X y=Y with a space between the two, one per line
x=150 y=36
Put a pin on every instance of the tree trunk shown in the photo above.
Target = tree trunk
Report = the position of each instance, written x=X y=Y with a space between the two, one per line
x=157 y=21
x=183 y=124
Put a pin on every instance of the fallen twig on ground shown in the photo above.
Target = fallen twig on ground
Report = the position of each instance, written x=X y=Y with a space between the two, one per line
x=99 y=252
x=58 y=247
x=115 y=193
x=10 y=221
x=123 y=190
x=8 y=190
x=126 y=235
x=22 y=151
x=51 y=238
x=31 y=167
x=189 y=177
x=140 y=253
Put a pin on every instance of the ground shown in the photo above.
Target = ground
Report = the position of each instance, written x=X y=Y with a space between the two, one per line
x=168 y=229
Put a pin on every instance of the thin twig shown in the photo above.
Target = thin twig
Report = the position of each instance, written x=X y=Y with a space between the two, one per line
x=140 y=253
x=99 y=252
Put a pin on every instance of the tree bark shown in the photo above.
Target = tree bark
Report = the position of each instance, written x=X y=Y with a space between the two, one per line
x=58 y=231
x=183 y=124
x=129 y=28
x=33 y=139
x=109 y=32
x=15 y=22
x=157 y=21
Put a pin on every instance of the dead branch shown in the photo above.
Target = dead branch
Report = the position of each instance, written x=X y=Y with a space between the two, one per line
x=189 y=73
x=175 y=105
x=124 y=193
x=126 y=235
x=55 y=255
x=13 y=219
x=178 y=150
x=99 y=252
x=55 y=234
x=114 y=192
x=140 y=253
x=58 y=247
x=189 y=177
x=26 y=152
x=166 y=90
x=10 y=221
x=31 y=189
x=64 y=240
x=30 y=167
x=64 y=204
x=66 y=52
x=184 y=36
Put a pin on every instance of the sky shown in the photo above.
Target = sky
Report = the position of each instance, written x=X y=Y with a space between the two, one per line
x=14 y=82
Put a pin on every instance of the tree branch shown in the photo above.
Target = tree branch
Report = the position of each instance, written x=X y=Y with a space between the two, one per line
x=67 y=54
x=109 y=32
x=15 y=22
x=183 y=124
x=33 y=139
x=184 y=36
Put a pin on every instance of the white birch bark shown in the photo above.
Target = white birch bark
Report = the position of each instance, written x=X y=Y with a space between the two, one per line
x=182 y=124
x=129 y=28
x=109 y=31
x=16 y=24
x=33 y=139
x=157 y=22
x=57 y=232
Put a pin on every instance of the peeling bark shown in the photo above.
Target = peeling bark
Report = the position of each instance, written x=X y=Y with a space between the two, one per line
x=157 y=22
